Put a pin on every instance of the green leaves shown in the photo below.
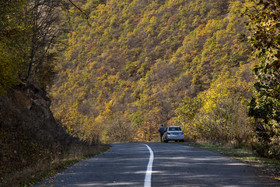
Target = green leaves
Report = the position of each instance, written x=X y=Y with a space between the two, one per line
x=264 y=37
x=12 y=43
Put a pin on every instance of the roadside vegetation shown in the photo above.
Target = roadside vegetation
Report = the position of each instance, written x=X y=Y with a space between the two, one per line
x=47 y=167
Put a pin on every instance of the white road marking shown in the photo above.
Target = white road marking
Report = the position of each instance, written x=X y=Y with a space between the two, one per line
x=148 y=176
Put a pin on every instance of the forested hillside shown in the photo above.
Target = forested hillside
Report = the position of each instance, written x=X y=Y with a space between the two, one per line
x=32 y=143
x=136 y=64
x=116 y=70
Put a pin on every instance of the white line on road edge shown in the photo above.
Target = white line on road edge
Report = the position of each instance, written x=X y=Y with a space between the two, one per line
x=149 y=171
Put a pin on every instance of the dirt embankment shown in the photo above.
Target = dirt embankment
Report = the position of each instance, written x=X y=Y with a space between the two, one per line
x=28 y=131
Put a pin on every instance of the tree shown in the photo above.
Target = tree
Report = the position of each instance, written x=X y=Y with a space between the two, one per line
x=28 y=31
x=12 y=42
x=264 y=24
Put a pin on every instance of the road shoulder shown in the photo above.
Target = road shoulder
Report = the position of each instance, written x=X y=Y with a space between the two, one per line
x=268 y=167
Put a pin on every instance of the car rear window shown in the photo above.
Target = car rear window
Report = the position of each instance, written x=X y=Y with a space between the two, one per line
x=174 y=129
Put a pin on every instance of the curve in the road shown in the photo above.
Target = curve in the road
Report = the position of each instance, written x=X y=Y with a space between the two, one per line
x=148 y=176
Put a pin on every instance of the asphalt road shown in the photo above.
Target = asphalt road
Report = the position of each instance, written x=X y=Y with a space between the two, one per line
x=159 y=164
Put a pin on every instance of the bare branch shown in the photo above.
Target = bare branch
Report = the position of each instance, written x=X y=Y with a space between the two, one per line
x=83 y=12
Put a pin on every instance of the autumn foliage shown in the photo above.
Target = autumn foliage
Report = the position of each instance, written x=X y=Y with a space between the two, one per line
x=117 y=70
x=134 y=65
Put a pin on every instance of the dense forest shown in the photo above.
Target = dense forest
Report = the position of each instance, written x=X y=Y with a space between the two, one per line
x=134 y=65
x=116 y=70
x=129 y=66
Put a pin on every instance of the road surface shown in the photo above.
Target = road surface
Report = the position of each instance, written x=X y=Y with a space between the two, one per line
x=159 y=164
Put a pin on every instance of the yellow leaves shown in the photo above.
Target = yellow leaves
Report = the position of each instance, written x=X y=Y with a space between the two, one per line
x=224 y=87
x=132 y=66
x=186 y=39
x=91 y=65
x=106 y=113
x=100 y=7
x=210 y=27
x=99 y=119
x=153 y=20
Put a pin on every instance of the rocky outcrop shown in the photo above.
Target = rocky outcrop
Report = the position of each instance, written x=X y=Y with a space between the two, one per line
x=28 y=130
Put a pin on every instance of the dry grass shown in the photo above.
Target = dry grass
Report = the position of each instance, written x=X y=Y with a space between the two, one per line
x=45 y=168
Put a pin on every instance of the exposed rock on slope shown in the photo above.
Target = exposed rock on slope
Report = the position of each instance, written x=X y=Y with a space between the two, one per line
x=28 y=130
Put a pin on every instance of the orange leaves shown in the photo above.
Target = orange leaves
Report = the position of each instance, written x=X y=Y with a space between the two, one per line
x=172 y=19
x=101 y=69
x=91 y=65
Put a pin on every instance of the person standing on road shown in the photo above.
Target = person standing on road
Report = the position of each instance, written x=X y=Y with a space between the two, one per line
x=161 y=132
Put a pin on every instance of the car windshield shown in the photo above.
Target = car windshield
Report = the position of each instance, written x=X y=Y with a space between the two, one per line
x=174 y=129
